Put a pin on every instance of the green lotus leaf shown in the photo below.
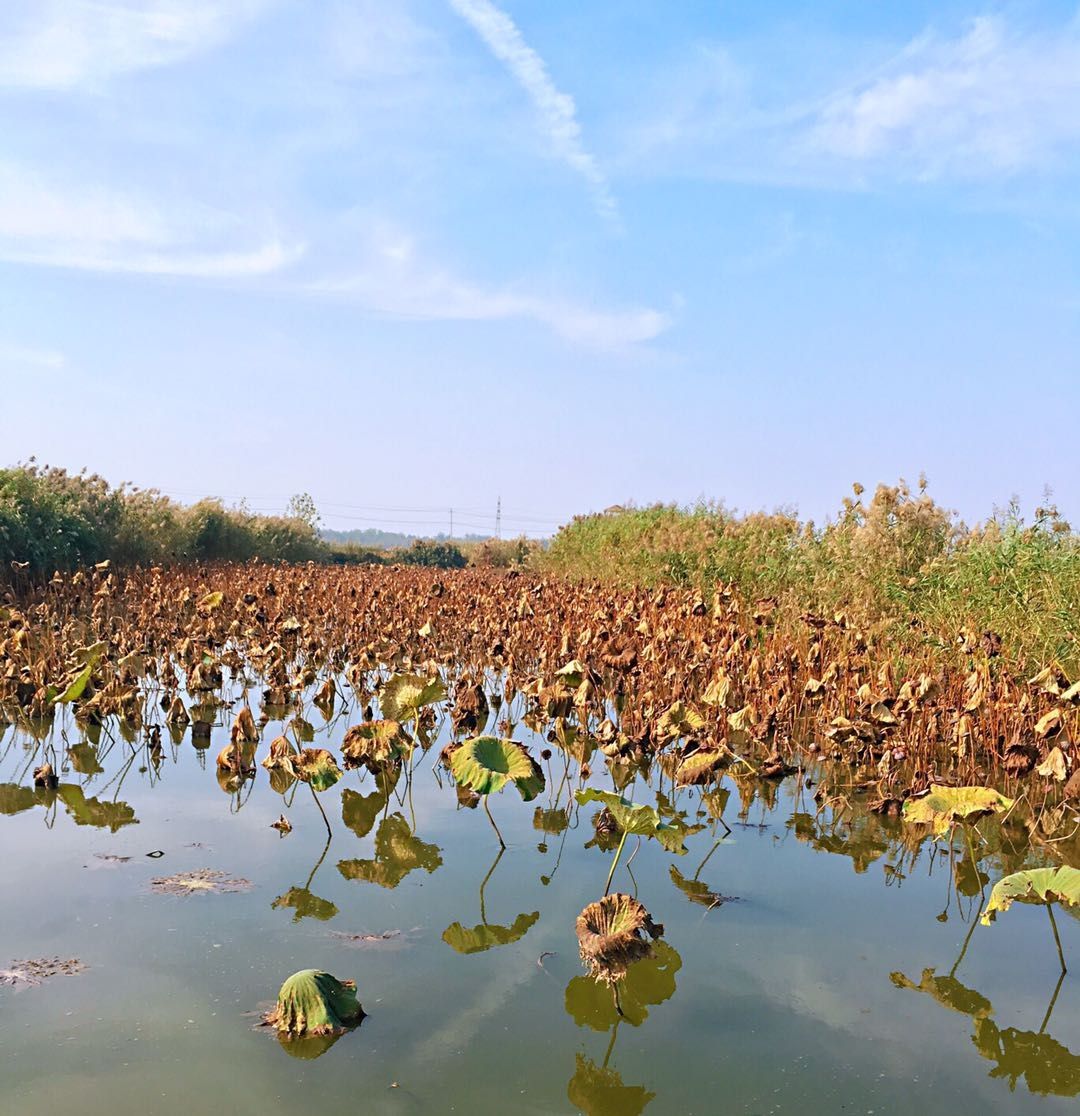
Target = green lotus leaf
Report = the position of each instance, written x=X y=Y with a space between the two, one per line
x=1037 y=885
x=305 y=904
x=74 y=689
x=317 y=767
x=486 y=764
x=404 y=695
x=397 y=853
x=599 y=1091
x=639 y=820
x=945 y=807
x=479 y=938
x=312 y=1002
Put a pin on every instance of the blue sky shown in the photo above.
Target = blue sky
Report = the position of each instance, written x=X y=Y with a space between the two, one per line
x=425 y=253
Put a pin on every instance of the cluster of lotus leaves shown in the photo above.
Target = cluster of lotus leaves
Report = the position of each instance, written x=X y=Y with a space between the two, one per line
x=312 y=1002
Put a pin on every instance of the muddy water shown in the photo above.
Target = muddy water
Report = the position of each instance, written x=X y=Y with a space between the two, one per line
x=809 y=964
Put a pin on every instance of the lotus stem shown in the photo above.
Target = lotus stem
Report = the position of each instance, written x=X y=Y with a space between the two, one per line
x=707 y=855
x=967 y=939
x=487 y=810
x=326 y=820
x=1053 y=1001
x=615 y=862
x=491 y=871
x=975 y=863
x=614 y=1035
x=1057 y=940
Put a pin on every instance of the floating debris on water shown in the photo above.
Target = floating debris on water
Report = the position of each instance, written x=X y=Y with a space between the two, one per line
x=39 y=969
x=199 y=881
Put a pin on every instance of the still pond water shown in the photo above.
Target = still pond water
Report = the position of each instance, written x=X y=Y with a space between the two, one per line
x=783 y=983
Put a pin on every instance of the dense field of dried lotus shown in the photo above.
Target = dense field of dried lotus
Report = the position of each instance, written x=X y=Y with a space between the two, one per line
x=697 y=685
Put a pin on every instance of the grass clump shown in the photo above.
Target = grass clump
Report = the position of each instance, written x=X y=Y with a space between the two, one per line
x=897 y=560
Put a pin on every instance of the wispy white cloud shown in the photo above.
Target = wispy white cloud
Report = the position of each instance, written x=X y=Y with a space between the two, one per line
x=393 y=281
x=556 y=110
x=62 y=44
x=94 y=229
x=991 y=100
x=27 y=359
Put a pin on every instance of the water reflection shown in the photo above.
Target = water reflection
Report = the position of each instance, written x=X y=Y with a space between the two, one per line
x=303 y=901
x=397 y=853
x=477 y=939
x=599 y=1090
x=604 y=1006
x=1045 y=1065
x=648 y=982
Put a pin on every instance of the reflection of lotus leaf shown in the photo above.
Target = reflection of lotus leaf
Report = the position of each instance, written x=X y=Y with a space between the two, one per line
x=359 y=811
x=945 y=807
x=860 y=838
x=14 y=799
x=549 y=821
x=84 y=759
x=482 y=937
x=647 y=983
x=397 y=853
x=308 y=1047
x=91 y=811
x=695 y=890
x=281 y=779
x=1047 y=1067
x=948 y=991
x=715 y=801
x=312 y=1002
x=599 y=1091
x=305 y=904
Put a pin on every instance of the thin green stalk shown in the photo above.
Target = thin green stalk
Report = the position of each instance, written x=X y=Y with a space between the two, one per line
x=1057 y=940
x=615 y=862
x=487 y=810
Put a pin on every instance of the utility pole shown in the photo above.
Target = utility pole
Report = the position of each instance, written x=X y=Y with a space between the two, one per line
x=451 y=524
x=498 y=519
